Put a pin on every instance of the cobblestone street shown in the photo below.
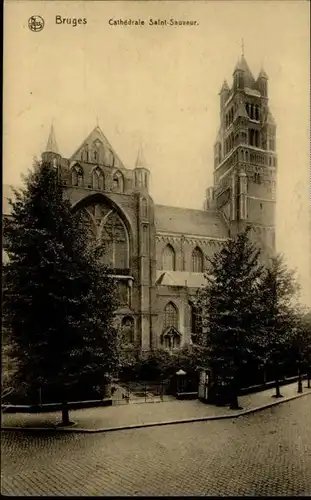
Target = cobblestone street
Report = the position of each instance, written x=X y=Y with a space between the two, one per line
x=265 y=453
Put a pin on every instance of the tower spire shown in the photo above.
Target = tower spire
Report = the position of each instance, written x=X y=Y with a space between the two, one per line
x=51 y=146
x=242 y=47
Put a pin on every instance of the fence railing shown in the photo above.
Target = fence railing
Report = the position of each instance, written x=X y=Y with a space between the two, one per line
x=139 y=392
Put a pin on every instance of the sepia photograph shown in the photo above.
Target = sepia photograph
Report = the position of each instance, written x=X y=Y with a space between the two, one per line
x=156 y=248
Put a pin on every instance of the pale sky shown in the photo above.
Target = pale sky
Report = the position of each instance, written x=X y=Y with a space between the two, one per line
x=160 y=84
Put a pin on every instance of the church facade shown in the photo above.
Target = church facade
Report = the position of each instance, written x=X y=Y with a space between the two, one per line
x=157 y=252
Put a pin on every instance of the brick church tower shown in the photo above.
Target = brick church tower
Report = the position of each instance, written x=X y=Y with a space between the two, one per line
x=245 y=158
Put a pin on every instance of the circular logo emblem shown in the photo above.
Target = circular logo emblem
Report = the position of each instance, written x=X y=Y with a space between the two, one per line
x=36 y=23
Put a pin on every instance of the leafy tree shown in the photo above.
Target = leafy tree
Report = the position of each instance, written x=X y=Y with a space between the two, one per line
x=156 y=365
x=58 y=299
x=229 y=309
x=278 y=316
x=301 y=344
x=129 y=363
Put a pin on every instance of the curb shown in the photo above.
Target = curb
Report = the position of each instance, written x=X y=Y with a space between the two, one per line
x=77 y=430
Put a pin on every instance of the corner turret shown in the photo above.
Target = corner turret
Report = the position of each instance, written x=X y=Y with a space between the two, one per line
x=141 y=172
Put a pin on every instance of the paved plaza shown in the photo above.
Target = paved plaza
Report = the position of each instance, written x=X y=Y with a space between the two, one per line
x=262 y=453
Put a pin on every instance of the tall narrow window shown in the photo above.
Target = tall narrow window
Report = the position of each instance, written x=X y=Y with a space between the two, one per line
x=85 y=154
x=171 y=337
x=168 y=258
x=145 y=240
x=98 y=179
x=197 y=261
x=117 y=182
x=77 y=176
x=144 y=207
x=170 y=316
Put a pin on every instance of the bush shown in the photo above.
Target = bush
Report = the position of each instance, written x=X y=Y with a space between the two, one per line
x=159 y=364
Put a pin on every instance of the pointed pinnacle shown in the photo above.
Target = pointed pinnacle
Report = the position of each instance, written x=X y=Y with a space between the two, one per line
x=51 y=146
x=140 y=161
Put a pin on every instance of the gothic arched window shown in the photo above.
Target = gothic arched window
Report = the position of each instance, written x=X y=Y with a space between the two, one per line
x=170 y=316
x=144 y=207
x=98 y=179
x=115 y=238
x=168 y=258
x=170 y=337
x=117 y=182
x=77 y=176
x=197 y=261
x=112 y=233
x=85 y=154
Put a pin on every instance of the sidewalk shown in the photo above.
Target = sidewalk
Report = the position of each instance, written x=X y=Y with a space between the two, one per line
x=129 y=416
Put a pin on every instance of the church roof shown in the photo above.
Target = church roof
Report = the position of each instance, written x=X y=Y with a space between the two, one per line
x=248 y=76
x=97 y=134
x=253 y=92
x=51 y=146
x=189 y=221
x=180 y=278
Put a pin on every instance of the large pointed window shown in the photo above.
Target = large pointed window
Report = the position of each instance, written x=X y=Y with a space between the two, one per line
x=108 y=228
x=168 y=258
x=197 y=261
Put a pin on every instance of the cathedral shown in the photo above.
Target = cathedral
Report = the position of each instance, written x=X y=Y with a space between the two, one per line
x=157 y=252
